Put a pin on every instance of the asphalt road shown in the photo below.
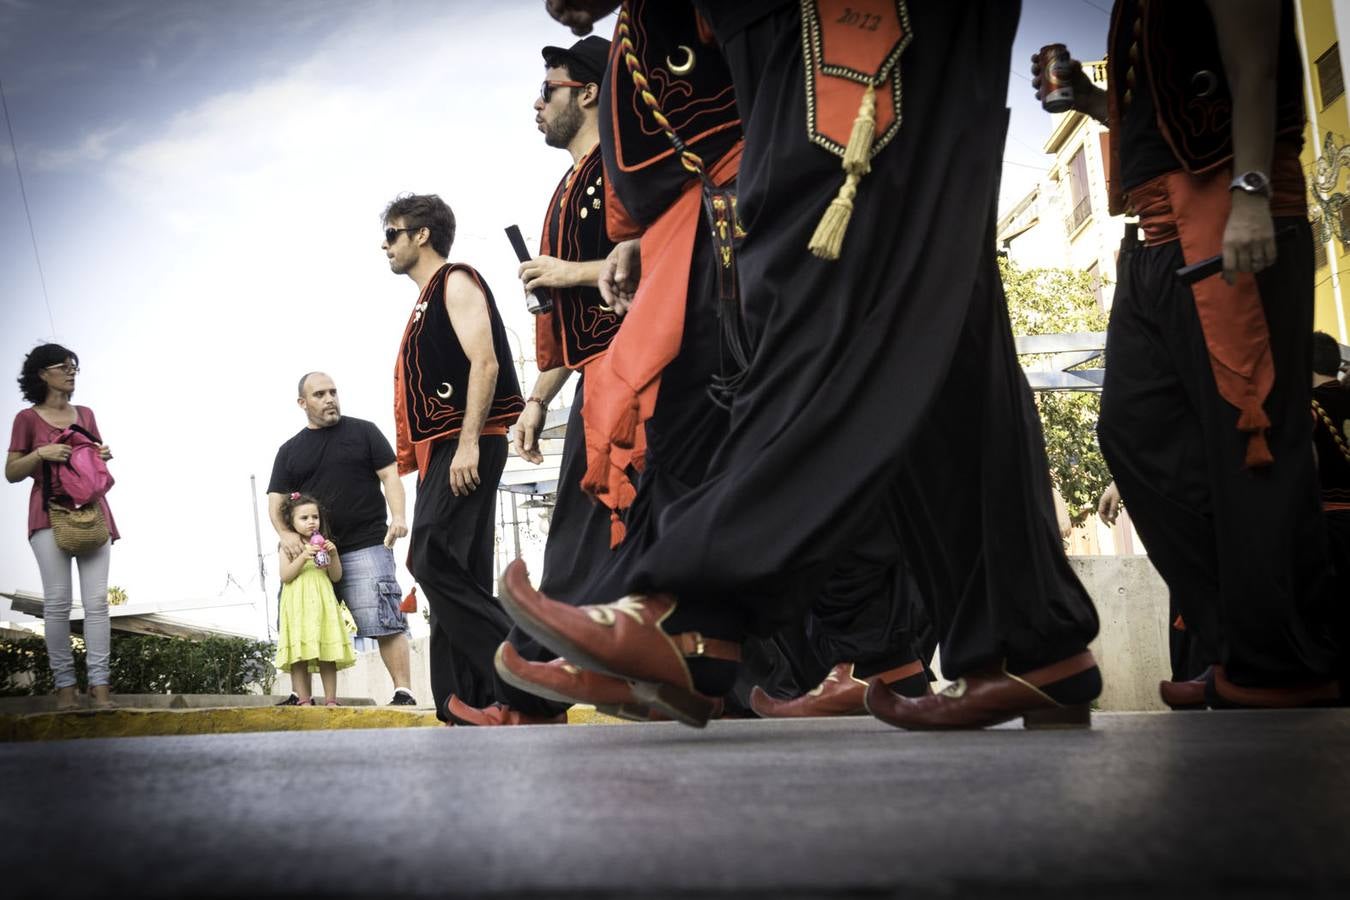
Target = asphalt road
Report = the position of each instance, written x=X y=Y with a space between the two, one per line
x=1194 y=804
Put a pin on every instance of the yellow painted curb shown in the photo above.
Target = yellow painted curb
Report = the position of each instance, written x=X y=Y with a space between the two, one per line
x=59 y=726
x=589 y=715
x=64 y=726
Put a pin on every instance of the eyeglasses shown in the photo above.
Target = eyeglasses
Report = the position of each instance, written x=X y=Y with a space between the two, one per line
x=391 y=234
x=68 y=368
x=546 y=89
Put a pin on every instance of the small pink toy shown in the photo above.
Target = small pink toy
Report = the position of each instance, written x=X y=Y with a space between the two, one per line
x=320 y=558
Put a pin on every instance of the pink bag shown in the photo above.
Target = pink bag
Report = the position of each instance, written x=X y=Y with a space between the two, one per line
x=85 y=477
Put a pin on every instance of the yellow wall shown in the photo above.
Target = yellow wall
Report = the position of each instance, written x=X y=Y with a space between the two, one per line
x=1318 y=36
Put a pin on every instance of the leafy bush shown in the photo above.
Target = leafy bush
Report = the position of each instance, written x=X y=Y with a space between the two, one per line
x=1059 y=301
x=145 y=664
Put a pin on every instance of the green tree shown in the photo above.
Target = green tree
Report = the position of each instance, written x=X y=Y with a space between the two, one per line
x=1057 y=301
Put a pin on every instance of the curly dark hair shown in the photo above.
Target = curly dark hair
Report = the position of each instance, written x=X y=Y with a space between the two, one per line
x=424 y=211
x=1326 y=356
x=293 y=501
x=31 y=385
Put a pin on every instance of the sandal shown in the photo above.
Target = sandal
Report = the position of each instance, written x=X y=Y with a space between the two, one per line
x=331 y=701
x=67 y=699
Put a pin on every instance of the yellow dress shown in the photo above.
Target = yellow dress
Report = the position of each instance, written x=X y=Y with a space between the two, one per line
x=311 y=624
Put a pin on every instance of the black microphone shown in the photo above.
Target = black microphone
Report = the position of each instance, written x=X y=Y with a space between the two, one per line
x=537 y=301
x=1213 y=265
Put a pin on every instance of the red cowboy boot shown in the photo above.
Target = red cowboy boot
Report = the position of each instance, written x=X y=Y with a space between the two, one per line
x=624 y=639
x=994 y=695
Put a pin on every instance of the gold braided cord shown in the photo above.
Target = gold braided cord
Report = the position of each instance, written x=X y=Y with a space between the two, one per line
x=1335 y=431
x=691 y=161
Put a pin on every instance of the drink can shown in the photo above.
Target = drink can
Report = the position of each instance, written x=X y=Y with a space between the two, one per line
x=1056 y=70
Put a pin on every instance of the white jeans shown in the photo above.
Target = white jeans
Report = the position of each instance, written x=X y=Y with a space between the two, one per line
x=54 y=565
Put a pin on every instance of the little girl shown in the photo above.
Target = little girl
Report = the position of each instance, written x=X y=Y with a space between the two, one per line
x=312 y=636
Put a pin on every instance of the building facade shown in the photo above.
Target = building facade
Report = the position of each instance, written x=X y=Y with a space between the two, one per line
x=1326 y=156
x=1063 y=222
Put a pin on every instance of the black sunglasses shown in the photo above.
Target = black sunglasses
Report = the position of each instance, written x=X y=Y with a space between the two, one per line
x=546 y=89
x=391 y=234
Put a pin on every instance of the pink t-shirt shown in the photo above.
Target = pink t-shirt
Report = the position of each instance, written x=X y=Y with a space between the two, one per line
x=32 y=431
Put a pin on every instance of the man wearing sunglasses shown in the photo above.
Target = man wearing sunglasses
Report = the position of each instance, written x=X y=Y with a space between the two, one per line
x=570 y=337
x=455 y=393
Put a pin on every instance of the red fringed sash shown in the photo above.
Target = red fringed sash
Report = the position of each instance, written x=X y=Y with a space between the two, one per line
x=1194 y=209
x=622 y=385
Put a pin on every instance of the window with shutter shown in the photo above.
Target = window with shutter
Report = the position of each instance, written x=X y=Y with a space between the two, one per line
x=1330 y=81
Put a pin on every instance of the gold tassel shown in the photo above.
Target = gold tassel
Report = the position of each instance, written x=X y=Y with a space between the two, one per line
x=828 y=240
x=858 y=153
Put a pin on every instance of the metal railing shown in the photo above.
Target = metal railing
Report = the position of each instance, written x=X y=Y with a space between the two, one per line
x=1066 y=352
x=1081 y=210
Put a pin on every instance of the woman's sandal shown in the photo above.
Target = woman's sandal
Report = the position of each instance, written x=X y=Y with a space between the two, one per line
x=331 y=701
x=101 y=699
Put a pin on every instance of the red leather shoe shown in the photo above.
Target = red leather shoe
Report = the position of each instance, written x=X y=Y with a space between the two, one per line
x=496 y=714
x=623 y=639
x=1184 y=695
x=1221 y=693
x=562 y=682
x=841 y=694
x=993 y=696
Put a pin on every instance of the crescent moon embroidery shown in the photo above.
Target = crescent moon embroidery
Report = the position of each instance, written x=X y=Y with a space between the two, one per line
x=685 y=67
x=1205 y=82
x=445 y=390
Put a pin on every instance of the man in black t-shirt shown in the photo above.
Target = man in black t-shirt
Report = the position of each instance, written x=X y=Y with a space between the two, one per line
x=343 y=462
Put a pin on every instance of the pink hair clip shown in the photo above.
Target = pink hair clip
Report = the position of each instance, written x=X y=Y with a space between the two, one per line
x=295 y=495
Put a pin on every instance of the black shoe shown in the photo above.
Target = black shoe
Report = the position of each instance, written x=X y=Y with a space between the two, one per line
x=403 y=698
x=292 y=700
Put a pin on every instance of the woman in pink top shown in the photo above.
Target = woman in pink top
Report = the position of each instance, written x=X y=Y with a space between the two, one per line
x=47 y=381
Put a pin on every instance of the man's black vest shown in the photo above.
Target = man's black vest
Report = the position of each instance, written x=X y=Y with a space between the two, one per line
x=435 y=369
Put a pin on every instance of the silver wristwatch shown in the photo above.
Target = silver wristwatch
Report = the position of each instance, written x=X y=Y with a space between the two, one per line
x=1252 y=182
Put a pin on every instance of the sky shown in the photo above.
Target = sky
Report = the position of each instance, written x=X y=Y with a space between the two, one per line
x=204 y=181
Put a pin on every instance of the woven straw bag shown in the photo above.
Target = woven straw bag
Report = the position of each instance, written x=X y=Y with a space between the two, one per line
x=78 y=531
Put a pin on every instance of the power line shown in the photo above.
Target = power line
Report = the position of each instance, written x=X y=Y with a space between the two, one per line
x=42 y=278
x=1107 y=12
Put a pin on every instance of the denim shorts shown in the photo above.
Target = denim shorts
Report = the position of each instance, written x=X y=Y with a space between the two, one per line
x=370 y=590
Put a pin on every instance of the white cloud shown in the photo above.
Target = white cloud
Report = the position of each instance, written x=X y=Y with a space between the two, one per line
x=93 y=147
x=240 y=247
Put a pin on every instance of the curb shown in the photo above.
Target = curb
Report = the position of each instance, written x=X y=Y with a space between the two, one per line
x=114 y=723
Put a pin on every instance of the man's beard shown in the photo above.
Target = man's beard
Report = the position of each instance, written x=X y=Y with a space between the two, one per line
x=565 y=127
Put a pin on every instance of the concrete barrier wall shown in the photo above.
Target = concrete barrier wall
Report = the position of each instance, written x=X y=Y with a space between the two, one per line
x=1132 y=650
x=1132 y=647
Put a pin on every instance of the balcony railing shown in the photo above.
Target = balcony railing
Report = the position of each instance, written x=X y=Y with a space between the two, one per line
x=1081 y=210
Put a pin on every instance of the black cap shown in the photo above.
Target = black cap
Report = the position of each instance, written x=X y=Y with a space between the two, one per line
x=586 y=60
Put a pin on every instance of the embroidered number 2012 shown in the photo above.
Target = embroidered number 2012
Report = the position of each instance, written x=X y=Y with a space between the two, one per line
x=864 y=21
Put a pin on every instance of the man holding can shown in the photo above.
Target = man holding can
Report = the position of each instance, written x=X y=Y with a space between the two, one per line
x=1204 y=416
